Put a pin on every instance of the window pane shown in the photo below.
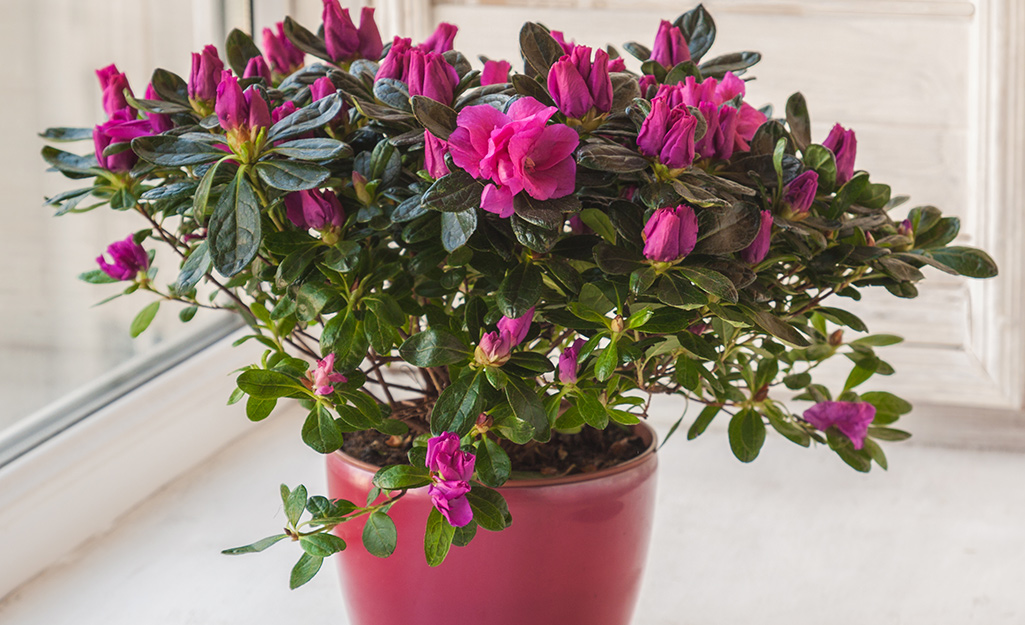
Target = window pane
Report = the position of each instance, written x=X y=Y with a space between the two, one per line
x=52 y=338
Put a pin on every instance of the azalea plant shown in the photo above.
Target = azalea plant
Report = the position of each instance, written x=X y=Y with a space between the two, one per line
x=544 y=249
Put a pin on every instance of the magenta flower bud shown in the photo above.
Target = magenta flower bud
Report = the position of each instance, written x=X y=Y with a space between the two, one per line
x=431 y=75
x=759 y=248
x=231 y=106
x=319 y=210
x=719 y=140
x=577 y=85
x=516 y=329
x=284 y=57
x=495 y=73
x=340 y=34
x=646 y=82
x=323 y=376
x=698 y=328
x=493 y=349
x=850 y=418
x=498 y=200
x=127 y=259
x=906 y=229
x=800 y=192
x=569 y=362
x=670 y=47
x=560 y=38
x=441 y=39
x=206 y=75
x=283 y=111
x=321 y=88
x=844 y=146
x=259 y=112
x=122 y=127
x=452 y=470
x=670 y=234
x=396 y=64
x=668 y=134
x=434 y=155
x=577 y=226
x=113 y=83
x=257 y=68
x=370 y=44
x=161 y=122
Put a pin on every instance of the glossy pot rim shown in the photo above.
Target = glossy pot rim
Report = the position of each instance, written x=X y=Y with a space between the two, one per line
x=642 y=429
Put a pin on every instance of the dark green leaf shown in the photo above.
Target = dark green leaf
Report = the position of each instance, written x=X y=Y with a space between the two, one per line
x=537 y=238
x=437 y=118
x=966 y=261
x=606 y=363
x=539 y=50
x=526 y=406
x=702 y=422
x=322 y=149
x=456 y=192
x=401 y=477
x=611 y=157
x=520 y=290
x=493 y=465
x=379 y=535
x=170 y=151
x=592 y=411
x=240 y=48
x=170 y=87
x=67 y=134
x=458 y=405
x=732 y=62
x=820 y=160
x=711 y=282
x=437 y=538
x=321 y=545
x=194 y=268
x=434 y=348
x=320 y=432
x=234 y=232
x=490 y=510
x=698 y=29
x=776 y=327
x=304 y=570
x=256 y=547
x=456 y=228
x=97 y=276
x=72 y=165
x=747 y=434
x=294 y=502
x=258 y=409
x=306 y=119
x=798 y=120
x=291 y=175
x=266 y=384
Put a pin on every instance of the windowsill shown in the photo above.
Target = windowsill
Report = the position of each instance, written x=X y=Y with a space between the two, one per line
x=795 y=537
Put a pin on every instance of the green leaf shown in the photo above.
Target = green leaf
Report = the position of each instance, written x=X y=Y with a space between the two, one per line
x=878 y=340
x=194 y=268
x=295 y=503
x=667 y=320
x=258 y=409
x=520 y=290
x=401 y=477
x=234 y=231
x=144 y=318
x=379 y=535
x=592 y=411
x=680 y=293
x=291 y=175
x=256 y=547
x=490 y=510
x=888 y=406
x=97 y=276
x=266 y=384
x=456 y=228
x=454 y=193
x=821 y=160
x=317 y=149
x=304 y=570
x=458 y=405
x=539 y=239
x=600 y=223
x=493 y=465
x=527 y=406
x=306 y=119
x=776 y=327
x=67 y=134
x=747 y=434
x=239 y=48
x=862 y=371
x=539 y=49
x=321 y=545
x=437 y=538
x=888 y=434
x=610 y=157
x=436 y=117
x=798 y=120
x=464 y=534
x=966 y=261
x=702 y=422
x=858 y=460
x=698 y=29
x=842 y=317
x=171 y=151
x=797 y=381
x=711 y=282
x=606 y=363
x=434 y=348
x=320 y=431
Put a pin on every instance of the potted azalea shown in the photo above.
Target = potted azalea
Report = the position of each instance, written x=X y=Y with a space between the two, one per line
x=475 y=280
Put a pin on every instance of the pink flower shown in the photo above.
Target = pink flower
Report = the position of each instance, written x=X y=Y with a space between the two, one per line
x=441 y=39
x=568 y=362
x=495 y=348
x=283 y=111
x=759 y=248
x=127 y=259
x=434 y=155
x=122 y=127
x=844 y=146
x=344 y=41
x=516 y=152
x=113 y=83
x=315 y=209
x=205 y=76
x=850 y=418
x=430 y=75
x=800 y=192
x=322 y=88
x=161 y=122
x=615 y=65
x=323 y=376
x=670 y=47
x=284 y=56
x=729 y=129
x=577 y=85
x=646 y=82
x=452 y=470
x=395 y=64
x=670 y=234
x=237 y=110
x=668 y=134
x=257 y=68
x=495 y=73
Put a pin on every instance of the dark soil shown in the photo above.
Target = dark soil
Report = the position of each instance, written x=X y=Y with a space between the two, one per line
x=565 y=454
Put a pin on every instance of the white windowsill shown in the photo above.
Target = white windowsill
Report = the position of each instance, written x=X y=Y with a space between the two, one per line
x=795 y=537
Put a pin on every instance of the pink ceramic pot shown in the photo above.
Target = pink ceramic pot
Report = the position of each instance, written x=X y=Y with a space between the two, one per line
x=574 y=554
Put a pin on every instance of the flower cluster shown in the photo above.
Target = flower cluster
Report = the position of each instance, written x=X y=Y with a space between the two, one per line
x=543 y=246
